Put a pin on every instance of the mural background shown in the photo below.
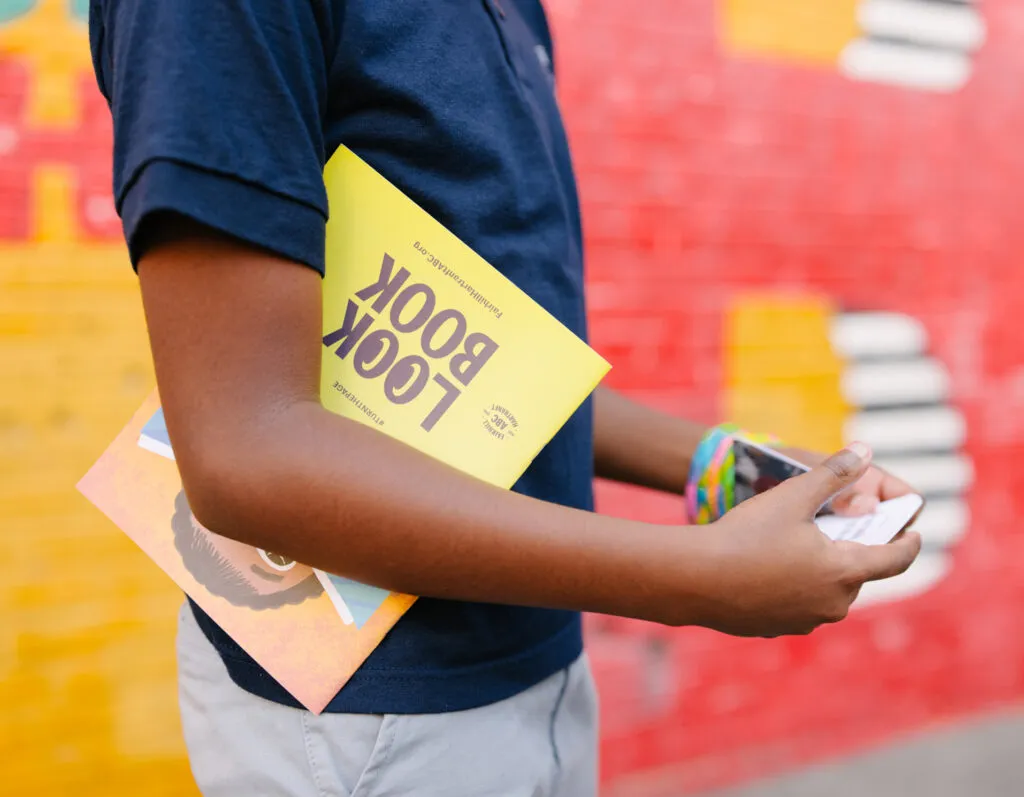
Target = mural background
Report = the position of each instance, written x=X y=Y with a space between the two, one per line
x=789 y=205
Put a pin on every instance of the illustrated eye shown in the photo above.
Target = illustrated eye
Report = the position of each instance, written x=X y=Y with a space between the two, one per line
x=276 y=561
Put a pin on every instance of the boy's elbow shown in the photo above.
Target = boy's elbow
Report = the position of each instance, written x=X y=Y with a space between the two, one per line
x=214 y=483
x=235 y=476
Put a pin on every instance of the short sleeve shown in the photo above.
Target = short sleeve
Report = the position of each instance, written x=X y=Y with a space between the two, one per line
x=218 y=115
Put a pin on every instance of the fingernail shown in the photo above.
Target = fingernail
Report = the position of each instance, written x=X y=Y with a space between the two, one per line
x=862 y=451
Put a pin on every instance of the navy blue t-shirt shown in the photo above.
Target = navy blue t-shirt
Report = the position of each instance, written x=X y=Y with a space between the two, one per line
x=227 y=111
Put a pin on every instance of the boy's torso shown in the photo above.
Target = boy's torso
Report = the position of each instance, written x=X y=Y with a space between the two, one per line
x=453 y=101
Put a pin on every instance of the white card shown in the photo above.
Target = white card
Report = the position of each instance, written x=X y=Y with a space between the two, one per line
x=878 y=528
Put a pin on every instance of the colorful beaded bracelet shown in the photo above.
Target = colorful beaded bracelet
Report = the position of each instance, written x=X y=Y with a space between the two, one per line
x=710 y=489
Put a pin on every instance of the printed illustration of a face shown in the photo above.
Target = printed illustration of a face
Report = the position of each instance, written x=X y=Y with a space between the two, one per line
x=239 y=573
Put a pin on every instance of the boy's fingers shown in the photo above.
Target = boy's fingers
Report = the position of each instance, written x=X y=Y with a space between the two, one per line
x=827 y=479
x=878 y=562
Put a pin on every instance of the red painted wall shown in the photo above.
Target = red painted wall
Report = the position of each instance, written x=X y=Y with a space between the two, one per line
x=704 y=173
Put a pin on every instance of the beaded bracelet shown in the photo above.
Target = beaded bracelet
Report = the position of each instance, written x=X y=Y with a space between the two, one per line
x=710 y=489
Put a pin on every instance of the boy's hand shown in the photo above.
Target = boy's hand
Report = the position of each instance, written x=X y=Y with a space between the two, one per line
x=778 y=574
x=863 y=497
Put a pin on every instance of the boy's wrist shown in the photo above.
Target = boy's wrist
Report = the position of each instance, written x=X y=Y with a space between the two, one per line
x=681 y=579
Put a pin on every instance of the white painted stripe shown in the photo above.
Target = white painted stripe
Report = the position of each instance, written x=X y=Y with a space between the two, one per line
x=915 y=429
x=857 y=335
x=905 y=65
x=940 y=473
x=918 y=381
x=943 y=522
x=957 y=27
x=926 y=572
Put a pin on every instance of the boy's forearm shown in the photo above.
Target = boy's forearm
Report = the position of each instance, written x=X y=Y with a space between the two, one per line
x=642 y=446
x=343 y=497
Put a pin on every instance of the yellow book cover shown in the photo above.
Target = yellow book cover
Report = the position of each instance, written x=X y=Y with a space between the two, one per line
x=424 y=341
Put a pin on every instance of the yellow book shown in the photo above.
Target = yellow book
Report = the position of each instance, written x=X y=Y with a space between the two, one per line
x=424 y=341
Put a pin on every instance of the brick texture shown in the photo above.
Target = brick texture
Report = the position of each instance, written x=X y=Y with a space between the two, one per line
x=716 y=163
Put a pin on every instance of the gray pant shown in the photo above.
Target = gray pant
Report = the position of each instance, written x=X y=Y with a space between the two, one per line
x=540 y=743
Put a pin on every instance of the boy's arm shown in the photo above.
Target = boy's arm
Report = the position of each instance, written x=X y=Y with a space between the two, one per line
x=638 y=445
x=642 y=446
x=235 y=334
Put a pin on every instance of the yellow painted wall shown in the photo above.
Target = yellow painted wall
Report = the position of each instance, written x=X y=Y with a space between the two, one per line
x=807 y=31
x=86 y=621
x=780 y=372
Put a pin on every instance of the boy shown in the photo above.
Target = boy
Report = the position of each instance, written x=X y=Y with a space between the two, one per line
x=224 y=115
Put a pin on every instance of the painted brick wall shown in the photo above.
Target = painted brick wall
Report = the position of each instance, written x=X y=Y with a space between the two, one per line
x=728 y=160
x=724 y=156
